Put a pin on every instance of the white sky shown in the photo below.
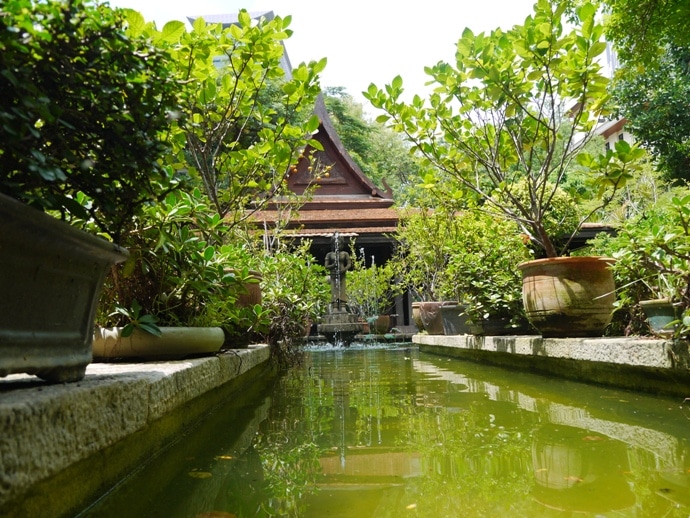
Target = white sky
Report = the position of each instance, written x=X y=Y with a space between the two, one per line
x=365 y=41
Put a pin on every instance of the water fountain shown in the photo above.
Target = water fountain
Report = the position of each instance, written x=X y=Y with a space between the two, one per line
x=339 y=325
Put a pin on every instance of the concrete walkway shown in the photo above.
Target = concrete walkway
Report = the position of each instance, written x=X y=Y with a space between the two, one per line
x=635 y=363
x=63 y=445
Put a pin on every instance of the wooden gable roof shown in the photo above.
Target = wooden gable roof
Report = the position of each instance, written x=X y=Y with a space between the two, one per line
x=344 y=200
x=333 y=170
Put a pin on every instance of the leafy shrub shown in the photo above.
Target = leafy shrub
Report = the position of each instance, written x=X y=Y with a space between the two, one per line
x=296 y=292
x=178 y=267
x=652 y=253
x=371 y=290
x=482 y=269
x=82 y=112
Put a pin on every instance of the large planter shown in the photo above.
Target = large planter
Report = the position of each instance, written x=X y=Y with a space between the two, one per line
x=660 y=314
x=432 y=319
x=51 y=276
x=175 y=342
x=568 y=296
x=454 y=319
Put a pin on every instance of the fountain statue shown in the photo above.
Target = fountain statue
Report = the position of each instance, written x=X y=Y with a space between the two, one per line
x=339 y=325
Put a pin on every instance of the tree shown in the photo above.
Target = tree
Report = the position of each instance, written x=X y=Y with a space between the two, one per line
x=244 y=119
x=381 y=154
x=641 y=29
x=508 y=121
x=656 y=103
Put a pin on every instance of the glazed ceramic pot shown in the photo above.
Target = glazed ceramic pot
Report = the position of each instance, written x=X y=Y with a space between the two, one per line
x=660 y=314
x=175 y=342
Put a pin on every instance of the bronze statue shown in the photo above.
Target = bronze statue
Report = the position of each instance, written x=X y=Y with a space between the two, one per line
x=338 y=262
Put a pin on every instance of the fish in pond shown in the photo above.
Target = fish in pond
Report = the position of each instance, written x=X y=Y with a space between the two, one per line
x=216 y=514
x=200 y=474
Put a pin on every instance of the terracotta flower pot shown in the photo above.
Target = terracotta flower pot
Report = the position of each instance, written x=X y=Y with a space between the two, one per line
x=417 y=316
x=568 y=296
x=381 y=325
x=432 y=320
x=250 y=293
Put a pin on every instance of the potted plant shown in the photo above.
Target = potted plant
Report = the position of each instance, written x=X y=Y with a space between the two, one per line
x=371 y=291
x=60 y=61
x=425 y=239
x=233 y=144
x=652 y=269
x=507 y=124
x=483 y=270
x=296 y=293
x=180 y=274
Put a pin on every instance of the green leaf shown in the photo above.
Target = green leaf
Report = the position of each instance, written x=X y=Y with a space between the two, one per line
x=151 y=329
x=135 y=22
x=244 y=18
x=172 y=31
x=199 y=25
x=312 y=124
x=397 y=82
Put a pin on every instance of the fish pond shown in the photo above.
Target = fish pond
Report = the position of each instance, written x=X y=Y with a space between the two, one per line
x=387 y=431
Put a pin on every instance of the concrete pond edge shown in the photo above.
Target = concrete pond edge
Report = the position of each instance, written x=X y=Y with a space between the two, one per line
x=62 y=446
x=655 y=366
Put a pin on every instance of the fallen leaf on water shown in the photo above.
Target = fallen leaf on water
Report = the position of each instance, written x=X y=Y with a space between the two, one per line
x=199 y=474
x=216 y=514
x=224 y=457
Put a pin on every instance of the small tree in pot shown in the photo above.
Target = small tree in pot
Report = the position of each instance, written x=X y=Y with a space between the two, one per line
x=507 y=123
x=426 y=240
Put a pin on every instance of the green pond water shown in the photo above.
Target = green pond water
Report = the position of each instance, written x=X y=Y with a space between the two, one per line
x=387 y=431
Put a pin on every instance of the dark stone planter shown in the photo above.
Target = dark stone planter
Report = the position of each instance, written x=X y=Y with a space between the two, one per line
x=493 y=327
x=454 y=319
x=52 y=276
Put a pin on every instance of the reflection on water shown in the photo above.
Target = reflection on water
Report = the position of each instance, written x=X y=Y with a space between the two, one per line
x=388 y=431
